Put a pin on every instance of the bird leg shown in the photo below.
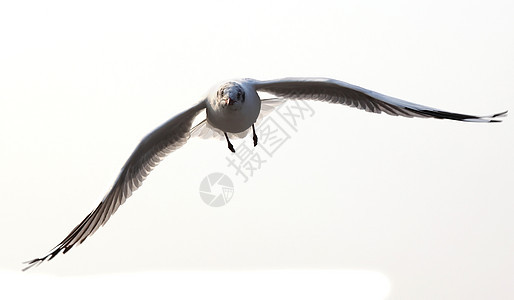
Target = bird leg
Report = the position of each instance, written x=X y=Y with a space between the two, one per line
x=254 y=136
x=229 y=144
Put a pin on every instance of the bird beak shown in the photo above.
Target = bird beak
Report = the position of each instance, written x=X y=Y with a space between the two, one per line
x=230 y=101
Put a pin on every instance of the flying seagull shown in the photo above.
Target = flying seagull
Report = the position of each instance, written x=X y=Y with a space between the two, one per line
x=233 y=107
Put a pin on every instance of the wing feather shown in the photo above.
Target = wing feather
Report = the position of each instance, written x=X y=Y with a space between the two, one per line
x=335 y=91
x=147 y=155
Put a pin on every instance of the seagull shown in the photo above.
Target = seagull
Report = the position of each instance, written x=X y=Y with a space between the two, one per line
x=232 y=107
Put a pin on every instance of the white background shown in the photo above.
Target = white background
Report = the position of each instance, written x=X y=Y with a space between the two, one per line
x=423 y=207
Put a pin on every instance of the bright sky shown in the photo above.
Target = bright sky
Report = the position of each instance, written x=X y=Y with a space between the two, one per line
x=424 y=207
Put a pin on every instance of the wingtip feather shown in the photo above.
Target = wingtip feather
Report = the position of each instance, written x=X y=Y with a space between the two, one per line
x=493 y=118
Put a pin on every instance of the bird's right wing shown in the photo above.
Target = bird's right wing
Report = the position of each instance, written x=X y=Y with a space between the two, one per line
x=150 y=151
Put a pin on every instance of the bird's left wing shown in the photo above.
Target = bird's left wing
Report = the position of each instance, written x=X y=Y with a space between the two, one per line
x=150 y=151
x=335 y=91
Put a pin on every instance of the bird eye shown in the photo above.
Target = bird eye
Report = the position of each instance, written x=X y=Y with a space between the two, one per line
x=238 y=95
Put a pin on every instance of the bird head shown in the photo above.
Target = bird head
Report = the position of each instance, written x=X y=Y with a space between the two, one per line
x=231 y=95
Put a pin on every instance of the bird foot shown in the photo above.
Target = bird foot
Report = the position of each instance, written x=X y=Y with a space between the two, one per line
x=230 y=147
x=254 y=136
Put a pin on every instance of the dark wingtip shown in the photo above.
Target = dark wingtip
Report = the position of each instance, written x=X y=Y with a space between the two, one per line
x=500 y=115
x=37 y=261
x=33 y=263
x=467 y=118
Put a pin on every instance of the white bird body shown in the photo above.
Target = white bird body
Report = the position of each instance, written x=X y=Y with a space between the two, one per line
x=233 y=107
x=237 y=117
